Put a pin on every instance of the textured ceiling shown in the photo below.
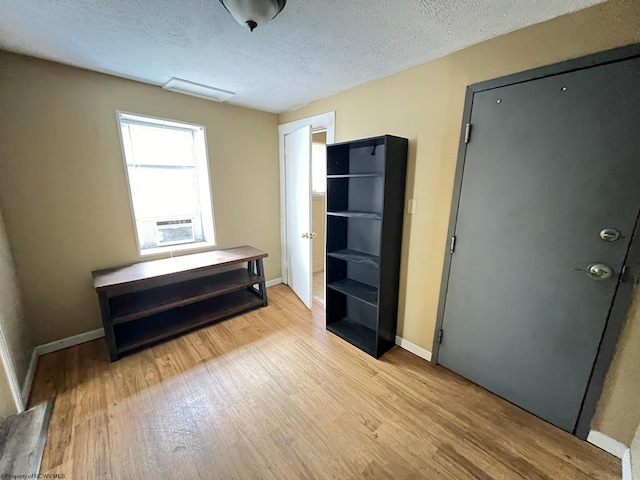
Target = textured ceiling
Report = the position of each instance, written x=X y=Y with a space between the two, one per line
x=311 y=50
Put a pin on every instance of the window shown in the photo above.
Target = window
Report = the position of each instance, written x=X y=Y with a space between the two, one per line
x=318 y=168
x=167 y=170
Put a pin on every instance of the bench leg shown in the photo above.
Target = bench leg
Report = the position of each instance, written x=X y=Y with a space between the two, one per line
x=262 y=286
x=108 y=326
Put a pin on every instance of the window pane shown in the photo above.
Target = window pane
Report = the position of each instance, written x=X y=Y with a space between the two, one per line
x=168 y=171
x=319 y=168
x=157 y=145
x=164 y=192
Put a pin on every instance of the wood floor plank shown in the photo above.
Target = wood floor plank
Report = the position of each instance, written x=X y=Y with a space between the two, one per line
x=272 y=395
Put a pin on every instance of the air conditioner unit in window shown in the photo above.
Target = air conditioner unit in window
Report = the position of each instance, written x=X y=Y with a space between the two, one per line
x=173 y=232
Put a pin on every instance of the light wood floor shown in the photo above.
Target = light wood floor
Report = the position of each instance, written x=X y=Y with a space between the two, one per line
x=273 y=395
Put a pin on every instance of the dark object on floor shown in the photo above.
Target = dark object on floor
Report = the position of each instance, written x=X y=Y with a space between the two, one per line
x=22 y=439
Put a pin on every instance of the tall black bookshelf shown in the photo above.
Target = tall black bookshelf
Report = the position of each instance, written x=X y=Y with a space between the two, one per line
x=365 y=207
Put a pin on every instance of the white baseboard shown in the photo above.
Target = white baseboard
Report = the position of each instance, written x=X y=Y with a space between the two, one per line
x=413 y=348
x=275 y=281
x=627 y=473
x=54 y=347
x=69 y=341
x=606 y=443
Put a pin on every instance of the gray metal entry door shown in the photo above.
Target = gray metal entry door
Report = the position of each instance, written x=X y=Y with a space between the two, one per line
x=551 y=174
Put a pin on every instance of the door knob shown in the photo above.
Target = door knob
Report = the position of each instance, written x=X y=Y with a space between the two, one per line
x=599 y=271
x=305 y=235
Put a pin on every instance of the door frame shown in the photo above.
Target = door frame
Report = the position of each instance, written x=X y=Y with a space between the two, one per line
x=324 y=121
x=6 y=363
x=624 y=291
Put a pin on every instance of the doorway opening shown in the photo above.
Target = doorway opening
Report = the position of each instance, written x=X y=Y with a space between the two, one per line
x=318 y=210
x=302 y=204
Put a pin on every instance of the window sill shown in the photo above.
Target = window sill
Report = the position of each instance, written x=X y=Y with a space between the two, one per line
x=169 y=250
x=318 y=194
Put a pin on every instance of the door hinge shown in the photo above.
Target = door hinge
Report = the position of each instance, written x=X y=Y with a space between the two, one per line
x=440 y=336
x=452 y=245
x=467 y=133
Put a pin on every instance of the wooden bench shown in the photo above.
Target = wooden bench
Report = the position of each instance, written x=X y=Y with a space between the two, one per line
x=148 y=302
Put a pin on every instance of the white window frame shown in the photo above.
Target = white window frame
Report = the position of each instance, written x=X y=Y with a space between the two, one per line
x=205 y=190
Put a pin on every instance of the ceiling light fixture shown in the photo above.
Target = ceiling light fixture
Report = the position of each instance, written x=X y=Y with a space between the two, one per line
x=253 y=13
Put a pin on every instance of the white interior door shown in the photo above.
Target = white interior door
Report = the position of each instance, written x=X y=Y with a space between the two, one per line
x=297 y=148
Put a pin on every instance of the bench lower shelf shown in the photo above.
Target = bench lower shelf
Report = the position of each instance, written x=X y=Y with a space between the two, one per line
x=154 y=328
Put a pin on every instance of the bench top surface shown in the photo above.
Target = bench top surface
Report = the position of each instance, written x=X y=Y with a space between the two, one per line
x=153 y=269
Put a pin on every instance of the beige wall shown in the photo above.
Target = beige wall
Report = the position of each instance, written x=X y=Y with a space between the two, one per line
x=319 y=137
x=63 y=189
x=619 y=409
x=12 y=324
x=425 y=105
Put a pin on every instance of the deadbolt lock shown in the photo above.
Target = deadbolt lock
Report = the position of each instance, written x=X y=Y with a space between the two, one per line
x=610 y=234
